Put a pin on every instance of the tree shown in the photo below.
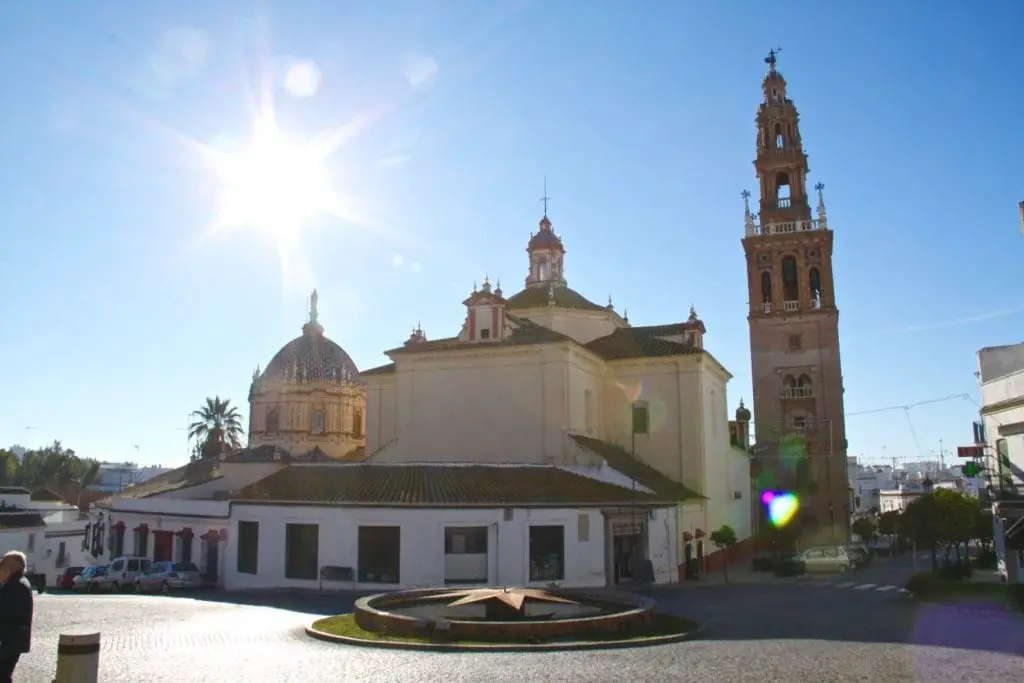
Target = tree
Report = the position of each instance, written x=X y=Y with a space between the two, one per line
x=724 y=538
x=864 y=528
x=54 y=467
x=218 y=427
x=921 y=521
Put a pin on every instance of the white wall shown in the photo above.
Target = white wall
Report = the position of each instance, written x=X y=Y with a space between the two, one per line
x=28 y=541
x=167 y=515
x=71 y=534
x=581 y=325
x=1008 y=390
x=506 y=404
x=422 y=543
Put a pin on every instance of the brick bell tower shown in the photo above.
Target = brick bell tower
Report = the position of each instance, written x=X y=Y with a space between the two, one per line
x=794 y=326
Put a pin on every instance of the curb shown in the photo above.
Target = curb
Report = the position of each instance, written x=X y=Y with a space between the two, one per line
x=524 y=647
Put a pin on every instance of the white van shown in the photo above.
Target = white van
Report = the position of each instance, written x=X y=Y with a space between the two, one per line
x=123 y=573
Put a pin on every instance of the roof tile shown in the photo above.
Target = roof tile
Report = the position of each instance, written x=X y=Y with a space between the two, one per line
x=620 y=460
x=439 y=485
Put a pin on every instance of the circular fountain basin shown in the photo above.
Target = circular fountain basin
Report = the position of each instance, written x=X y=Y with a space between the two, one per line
x=428 y=614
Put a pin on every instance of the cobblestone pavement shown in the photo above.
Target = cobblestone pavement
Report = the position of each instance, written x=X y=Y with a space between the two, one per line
x=787 y=633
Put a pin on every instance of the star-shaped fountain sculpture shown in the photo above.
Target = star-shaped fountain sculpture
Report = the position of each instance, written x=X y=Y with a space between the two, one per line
x=502 y=604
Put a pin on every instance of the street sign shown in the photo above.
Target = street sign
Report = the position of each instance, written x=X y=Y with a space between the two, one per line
x=970 y=451
x=971 y=469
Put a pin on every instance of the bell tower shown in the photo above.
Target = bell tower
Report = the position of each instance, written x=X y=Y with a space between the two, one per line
x=799 y=426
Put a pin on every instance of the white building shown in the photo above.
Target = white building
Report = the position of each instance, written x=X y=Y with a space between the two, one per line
x=549 y=441
x=45 y=528
x=115 y=476
x=1001 y=374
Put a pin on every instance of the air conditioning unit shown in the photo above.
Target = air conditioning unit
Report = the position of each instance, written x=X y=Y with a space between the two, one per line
x=737 y=495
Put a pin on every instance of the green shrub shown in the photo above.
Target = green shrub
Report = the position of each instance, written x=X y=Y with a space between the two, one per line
x=922 y=584
x=987 y=559
x=956 y=571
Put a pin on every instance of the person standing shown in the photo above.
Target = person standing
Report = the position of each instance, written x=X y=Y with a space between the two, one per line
x=16 y=607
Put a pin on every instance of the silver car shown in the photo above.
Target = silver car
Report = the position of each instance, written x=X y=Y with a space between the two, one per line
x=827 y=559
x=168 y=576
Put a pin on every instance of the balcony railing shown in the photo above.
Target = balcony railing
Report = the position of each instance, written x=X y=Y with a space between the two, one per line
x=786 y=227
x=796 y=392
x=783 y=203
x=766 y=307
x=791 y=306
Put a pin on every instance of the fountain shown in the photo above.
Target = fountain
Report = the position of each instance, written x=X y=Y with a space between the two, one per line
x=512 y=615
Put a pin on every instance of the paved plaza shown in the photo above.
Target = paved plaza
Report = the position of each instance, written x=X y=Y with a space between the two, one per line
x=755 y=633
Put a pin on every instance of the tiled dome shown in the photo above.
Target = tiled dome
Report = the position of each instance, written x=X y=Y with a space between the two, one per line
x=311 y=358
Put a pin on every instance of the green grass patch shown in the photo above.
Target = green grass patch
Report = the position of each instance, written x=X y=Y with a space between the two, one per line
x=934 y=589
x=345 y=625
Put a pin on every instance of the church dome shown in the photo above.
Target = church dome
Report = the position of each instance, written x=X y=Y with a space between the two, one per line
x=545 y=238
x=311 y=358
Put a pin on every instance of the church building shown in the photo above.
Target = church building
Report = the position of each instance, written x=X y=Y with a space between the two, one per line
x=544 y=440
x=794 y=326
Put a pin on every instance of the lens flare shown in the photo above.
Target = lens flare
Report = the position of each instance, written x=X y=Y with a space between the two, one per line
x=782 y=506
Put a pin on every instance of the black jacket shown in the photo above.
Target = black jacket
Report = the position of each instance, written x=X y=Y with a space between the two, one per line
x=16 y=605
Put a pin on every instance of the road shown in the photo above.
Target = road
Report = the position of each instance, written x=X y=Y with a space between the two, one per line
x=790 y=632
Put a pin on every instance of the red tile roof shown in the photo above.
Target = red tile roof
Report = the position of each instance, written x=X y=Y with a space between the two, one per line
x=440 y=486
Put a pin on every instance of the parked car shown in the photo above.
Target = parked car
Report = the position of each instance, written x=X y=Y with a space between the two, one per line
x=123 y=572
x=826 y=559
x=168 y=576
x=88 y=580
x=66 y=579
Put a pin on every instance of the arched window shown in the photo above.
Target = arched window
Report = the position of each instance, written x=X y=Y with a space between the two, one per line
x=779 y=142
x=790 y=282
x=273 y=420
x=804 y=381
x=782 y=190
x=766 y=287
x=788 y=382
x=357 y=422
x=814 y=277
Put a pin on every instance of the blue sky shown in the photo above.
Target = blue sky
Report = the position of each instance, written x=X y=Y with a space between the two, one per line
x=120 y=312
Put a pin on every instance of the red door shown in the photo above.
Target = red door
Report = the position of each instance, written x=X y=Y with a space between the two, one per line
x=163 y=546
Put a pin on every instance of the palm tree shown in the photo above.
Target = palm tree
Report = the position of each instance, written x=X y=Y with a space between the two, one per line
x=218 y=427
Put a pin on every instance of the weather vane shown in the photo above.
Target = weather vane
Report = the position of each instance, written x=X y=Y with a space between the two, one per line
x=819 y=186
x=745 y=194
x=545 y=198
x=772 y=58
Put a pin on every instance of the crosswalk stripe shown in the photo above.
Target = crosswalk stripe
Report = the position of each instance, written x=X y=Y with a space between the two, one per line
x=885 y=588
x=846 y=585
x=864 y=586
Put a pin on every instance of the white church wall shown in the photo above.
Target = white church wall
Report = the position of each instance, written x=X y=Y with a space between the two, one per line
x=501 y=405
x=582 y=326
x=381 y=411
x=671 y=390
x=584 y=395
x=422 y=544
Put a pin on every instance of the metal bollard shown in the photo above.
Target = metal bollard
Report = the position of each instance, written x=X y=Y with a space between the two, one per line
x=78 y=658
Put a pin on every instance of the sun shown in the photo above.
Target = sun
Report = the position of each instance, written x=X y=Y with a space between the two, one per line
x=273 y=184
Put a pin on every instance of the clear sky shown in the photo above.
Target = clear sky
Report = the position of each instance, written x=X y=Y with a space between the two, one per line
x=122 y=308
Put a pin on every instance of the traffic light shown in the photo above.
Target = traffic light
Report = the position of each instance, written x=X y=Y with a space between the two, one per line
x=971 y=469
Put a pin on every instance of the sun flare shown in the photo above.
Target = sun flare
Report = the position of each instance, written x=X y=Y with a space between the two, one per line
x=273 y=184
